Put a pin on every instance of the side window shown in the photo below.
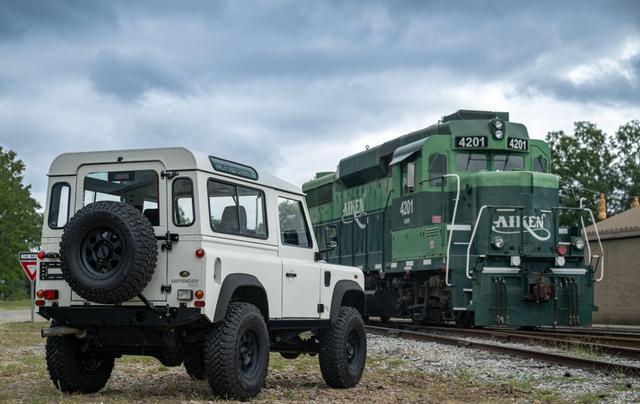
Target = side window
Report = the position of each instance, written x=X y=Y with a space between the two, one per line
x=236 y=209
x=183 y=209
x=293 y=226
x=540 y=164
x=59 y=205
x=408 y=177
x=437 y=168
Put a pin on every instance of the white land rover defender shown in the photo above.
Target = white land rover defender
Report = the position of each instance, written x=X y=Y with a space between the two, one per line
x=194 y=260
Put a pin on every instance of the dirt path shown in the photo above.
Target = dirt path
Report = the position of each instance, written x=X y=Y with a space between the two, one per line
x=18 y=315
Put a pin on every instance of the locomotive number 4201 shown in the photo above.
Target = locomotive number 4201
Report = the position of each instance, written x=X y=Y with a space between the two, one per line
x=517 y=144
x=471 y=142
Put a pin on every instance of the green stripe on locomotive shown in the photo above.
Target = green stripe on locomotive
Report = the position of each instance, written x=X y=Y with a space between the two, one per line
x=393 y=220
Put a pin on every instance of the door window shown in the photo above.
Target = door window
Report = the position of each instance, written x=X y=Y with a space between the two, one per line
x=183 y=209
x=59 y=205
x=138 y=188
x=293 y=225
x=540 y=164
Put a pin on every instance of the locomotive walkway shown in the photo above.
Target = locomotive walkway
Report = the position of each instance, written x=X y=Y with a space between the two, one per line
x=460 y=337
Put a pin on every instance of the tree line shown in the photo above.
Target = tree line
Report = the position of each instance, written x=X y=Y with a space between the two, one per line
x=587 y=161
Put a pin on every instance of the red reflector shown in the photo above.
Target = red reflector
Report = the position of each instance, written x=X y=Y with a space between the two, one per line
x=199 y=253
x=40 y=255
x=561 y=249
x=50 y=294
x=39 y=302
x=199 y=303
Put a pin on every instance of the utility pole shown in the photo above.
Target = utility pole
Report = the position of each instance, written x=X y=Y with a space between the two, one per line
x=2 y=281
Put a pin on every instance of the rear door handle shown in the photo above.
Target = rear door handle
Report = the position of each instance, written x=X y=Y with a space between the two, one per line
x=291 y=274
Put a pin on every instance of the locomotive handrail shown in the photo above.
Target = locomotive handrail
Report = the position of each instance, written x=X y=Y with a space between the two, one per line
x=475 y=228
x=595 y=227
x=453 y=223
x=584 y=229
x=473 y=235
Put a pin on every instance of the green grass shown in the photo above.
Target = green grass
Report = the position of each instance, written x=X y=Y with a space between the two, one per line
x=15 y=304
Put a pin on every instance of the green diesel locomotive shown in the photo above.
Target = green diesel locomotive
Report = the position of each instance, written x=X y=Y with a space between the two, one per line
x=459 y=222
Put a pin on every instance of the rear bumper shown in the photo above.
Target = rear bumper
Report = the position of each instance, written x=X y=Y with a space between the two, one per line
x=120 y=315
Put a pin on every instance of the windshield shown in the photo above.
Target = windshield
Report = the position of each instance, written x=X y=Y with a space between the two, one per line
x=471 y=162
x=508 y=162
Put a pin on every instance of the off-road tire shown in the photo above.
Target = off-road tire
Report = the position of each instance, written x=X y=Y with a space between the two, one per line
x=134 y=250
x=338 y=369
x=194 y=364
x=222 y=352
x=67 y=370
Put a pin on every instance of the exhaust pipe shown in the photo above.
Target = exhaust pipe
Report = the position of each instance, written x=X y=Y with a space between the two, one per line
x=62 y=331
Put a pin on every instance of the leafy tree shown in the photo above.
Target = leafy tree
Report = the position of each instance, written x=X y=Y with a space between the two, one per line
x=627 y=140
x=586 y=163
x=20 y=222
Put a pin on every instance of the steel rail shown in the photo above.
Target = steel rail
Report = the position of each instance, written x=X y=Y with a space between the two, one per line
x=560 y=359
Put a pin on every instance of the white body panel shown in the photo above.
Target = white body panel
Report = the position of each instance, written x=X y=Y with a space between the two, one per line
x=267 y=259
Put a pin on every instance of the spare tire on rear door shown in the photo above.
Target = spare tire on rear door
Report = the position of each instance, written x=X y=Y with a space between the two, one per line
x=108 y=252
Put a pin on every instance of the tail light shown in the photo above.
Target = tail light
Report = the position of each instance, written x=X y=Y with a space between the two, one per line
x=199 y=294
x=185 y=294
x=39 y=302
x=50 y=294
x=199 y=303
x=40 y=294
x=562 y=249
x=41 y=254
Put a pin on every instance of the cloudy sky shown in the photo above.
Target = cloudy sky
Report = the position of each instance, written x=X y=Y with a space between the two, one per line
x=293 y=86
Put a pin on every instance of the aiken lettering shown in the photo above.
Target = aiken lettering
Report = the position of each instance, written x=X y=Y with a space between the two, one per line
x=534 y=225
x=352 y=211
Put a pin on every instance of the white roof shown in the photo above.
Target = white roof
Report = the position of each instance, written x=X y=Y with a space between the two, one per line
x=173 y=158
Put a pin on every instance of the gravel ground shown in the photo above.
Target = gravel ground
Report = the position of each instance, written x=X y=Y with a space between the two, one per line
x=397 y=370
x=570 y=384
x=9 y=316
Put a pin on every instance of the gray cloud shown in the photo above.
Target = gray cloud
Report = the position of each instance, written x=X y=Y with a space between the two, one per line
x=129 y=78
x=254 y=81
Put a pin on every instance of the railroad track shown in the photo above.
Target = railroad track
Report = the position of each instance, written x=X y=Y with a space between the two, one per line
x=458 y=337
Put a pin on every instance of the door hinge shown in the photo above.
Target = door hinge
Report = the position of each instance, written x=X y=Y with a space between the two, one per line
x=169 y=239
x=169 y=174
x=165 y=289
x=320 y=308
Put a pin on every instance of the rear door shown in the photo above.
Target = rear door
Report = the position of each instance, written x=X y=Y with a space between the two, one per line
x=141 y=185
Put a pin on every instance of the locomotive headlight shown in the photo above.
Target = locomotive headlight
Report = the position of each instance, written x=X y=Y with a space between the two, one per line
x=560 y=261
x=515 y=261
x=498 y=124
x=497 y=242
x=498 y=134
x=578 y=243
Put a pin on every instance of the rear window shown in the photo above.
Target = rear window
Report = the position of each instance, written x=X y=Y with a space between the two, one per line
x=471 y=162
x=508 y=162
x=137 y=188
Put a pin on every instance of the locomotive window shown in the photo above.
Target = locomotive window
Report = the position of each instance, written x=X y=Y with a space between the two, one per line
x=471 y=162
x=437 y=168
x=508 y=162
x=540 y=164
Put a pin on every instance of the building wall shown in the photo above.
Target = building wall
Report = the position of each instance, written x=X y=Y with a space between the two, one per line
x=618 y=295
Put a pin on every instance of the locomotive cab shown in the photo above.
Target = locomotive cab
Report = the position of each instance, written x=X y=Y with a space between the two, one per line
x=459 y=222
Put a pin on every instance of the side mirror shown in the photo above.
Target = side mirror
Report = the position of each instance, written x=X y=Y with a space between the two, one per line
x=331 y=237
